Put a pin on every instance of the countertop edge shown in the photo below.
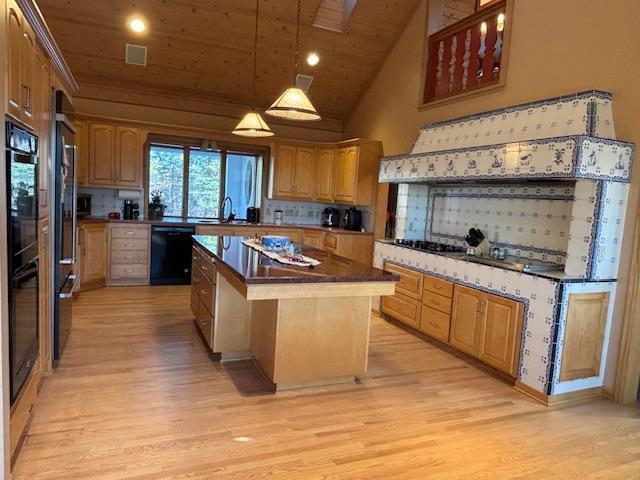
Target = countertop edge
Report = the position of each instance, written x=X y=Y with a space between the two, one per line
x=291 y=280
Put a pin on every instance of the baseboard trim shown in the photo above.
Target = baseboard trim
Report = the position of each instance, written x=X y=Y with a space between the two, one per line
x=562 y=399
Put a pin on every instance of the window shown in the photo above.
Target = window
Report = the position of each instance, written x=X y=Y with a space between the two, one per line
x=193 y=182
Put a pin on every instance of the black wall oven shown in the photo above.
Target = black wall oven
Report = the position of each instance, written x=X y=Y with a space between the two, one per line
x=22 y=228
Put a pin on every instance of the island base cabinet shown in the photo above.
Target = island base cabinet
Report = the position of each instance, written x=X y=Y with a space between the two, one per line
x=311 y=341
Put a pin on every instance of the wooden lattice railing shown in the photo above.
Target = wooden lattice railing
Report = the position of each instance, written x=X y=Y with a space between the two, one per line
x=467 y=55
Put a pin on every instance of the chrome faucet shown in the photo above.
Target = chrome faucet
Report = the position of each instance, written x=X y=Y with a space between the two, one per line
x=222 y=208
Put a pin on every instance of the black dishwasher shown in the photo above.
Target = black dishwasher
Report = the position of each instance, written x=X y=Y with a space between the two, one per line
x=171 y=255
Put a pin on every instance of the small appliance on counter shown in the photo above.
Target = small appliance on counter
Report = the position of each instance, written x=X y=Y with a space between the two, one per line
x=352 y=220
x=278 y=217
x=331 y=217
x=131 y=210
x=84 y=204
x=253 y=215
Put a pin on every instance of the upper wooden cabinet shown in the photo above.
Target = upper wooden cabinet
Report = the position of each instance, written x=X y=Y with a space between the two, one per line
x=342 y=173
x=293 y=168
x=346 y=174
x=82 y=154
x=114 y=156
x=325 y=174
x=21 y=65
x=128 y=158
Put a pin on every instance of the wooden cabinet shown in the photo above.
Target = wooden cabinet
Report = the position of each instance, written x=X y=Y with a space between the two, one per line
x=403 y=308
x=294 y=168
x=114 y=156
x=82 y=153
x=21 y=63
x=42 y=100
x=466 y=319
x=487 y=327
x=203 y=293
x=410 y=283
x=129 y=247
x=94 y=244
x=584 y=335
x=343 y=173
x=325 y=175
x=128 y=164
x=346 y=174
x=102 y=141
x=13 y=54
x=313 y=239
x=44 y=274
x=502 y=327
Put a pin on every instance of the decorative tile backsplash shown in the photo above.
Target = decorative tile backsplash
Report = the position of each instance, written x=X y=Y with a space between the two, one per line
x=531 y=220
x=105 y=201
x=307 y=213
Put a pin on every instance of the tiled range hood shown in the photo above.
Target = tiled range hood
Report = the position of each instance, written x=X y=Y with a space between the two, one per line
x=570 y=137
x=566 y=138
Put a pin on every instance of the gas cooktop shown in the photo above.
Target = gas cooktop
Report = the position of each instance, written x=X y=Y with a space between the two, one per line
x=429 y=246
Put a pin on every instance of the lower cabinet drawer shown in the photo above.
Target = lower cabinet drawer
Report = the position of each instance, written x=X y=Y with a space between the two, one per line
x=410 y=283
x=402 y=308
x=195 y=302
x=129 y=232
x=330 y=242
x=129 y=244
x=435 y=323
x=205 y=266
x=129 y=271
x=205 y=322
x=204 y=289
x=129 y=256
x=437 y=302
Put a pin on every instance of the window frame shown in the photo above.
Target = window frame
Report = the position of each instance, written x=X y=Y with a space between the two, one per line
x=224 y=148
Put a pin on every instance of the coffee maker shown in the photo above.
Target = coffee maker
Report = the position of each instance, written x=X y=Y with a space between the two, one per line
x=130 y=211
x=353 y=219
x=330 y=217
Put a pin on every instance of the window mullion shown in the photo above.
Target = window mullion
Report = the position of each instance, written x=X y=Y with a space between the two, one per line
x=223 y=179
x=185 y=183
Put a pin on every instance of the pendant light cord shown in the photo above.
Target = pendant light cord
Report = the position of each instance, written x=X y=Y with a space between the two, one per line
x=295 y=63
x=255 y=57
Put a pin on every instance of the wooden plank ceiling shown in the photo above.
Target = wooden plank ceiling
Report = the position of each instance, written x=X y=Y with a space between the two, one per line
x=203 y=48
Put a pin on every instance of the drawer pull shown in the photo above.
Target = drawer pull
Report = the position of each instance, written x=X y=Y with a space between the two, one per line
x=437 y=287
x=129 y=232
x=203 y=292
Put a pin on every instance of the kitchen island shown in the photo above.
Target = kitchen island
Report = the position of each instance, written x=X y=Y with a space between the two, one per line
x=302 y=326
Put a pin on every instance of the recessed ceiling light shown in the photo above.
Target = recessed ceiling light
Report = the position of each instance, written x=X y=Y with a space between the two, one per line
x=313 y=59
x=137 y=25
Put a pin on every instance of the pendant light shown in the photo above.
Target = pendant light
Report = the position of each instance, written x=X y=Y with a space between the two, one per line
x=294 y=104
x=253 y=125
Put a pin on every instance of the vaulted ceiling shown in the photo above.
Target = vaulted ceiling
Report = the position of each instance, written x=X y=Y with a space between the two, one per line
x=203 y=48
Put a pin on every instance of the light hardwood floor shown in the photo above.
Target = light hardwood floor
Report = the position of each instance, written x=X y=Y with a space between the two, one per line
x=137 y=397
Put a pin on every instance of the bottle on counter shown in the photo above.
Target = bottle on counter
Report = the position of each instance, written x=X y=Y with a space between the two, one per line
x=278 y=216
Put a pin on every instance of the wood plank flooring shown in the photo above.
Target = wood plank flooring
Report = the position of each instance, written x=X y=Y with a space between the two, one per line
x=137 y=397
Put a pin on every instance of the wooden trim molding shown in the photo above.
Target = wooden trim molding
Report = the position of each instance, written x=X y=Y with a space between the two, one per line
x=628 y=367
x=34 y=16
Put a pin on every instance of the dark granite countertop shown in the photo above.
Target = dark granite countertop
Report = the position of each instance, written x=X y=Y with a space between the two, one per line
x=199 y=222
x=252 y=267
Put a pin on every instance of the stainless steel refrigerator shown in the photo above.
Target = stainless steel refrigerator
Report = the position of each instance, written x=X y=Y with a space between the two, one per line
x=65 y=211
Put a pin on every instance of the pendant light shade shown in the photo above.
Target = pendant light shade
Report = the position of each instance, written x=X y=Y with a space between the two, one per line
x=252 y=125
x=293 y=104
